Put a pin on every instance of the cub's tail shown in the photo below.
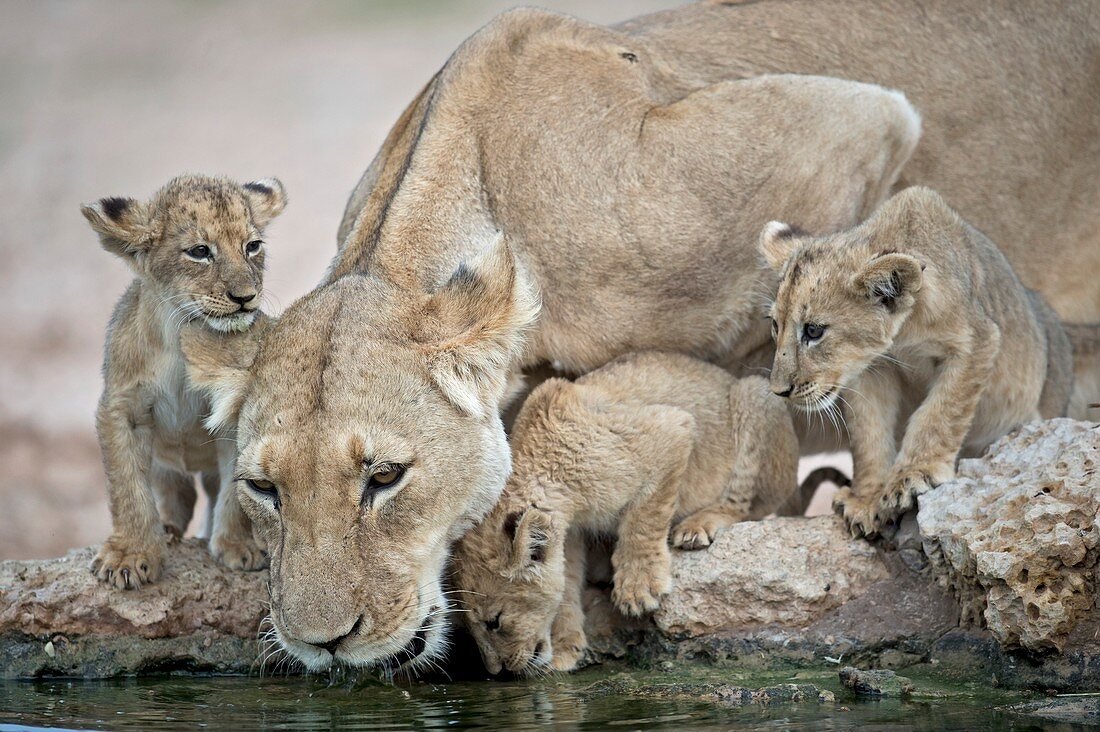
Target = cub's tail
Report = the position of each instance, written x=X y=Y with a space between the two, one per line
x=1085 y=338
x=799 y=501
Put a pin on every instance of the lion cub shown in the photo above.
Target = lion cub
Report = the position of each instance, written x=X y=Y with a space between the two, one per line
x=197 y=252
x=627 y=449
x=917 y=324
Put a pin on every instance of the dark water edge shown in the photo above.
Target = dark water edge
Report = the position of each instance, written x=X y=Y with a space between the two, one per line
x=600 y=698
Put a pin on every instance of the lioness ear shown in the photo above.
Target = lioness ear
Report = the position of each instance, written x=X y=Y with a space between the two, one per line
x=891 y=279
x=484 y=311
x=123 y=225
x=220 y=365
x=267 y=197
x=535 y=537
x=777 y=243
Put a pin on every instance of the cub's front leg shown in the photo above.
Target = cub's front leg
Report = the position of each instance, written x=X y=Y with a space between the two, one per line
x=567 y=637
x=134 y=553
x=938 y=428
x=871 y=415
x=665 y=438
x=231 y=540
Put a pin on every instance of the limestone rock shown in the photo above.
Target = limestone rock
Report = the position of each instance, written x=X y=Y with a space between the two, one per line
x=1015 y=534
x=199 y=615
x=785 y=571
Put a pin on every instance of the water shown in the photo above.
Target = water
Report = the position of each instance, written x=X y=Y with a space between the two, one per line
x=309 y=703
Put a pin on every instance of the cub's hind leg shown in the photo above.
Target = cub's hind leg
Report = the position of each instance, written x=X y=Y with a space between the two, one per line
x=175 y=495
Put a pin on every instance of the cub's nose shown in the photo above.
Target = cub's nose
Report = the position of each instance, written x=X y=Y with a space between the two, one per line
x=243 y=298
x=784 y=393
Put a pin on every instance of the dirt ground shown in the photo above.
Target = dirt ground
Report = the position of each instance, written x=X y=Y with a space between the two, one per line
x=115 y=98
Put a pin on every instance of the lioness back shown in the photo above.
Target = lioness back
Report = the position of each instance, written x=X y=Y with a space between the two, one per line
x=197 y=253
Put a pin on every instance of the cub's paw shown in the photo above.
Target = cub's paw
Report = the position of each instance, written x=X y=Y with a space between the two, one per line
x=570 y=652
x=126 y=565
x=698 y=530
x=242 y=554
x=906 y=482
x=639 y=586
x=861 y=512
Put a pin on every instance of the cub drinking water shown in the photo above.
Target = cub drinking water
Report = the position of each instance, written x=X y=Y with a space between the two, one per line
x=197 y=253
x=917 y=325
x=627 y=449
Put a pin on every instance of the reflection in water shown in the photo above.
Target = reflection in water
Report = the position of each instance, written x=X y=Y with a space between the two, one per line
x=311 y=703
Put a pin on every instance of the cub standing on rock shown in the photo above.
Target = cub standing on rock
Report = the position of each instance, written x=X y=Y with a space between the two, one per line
x=197 y=252
x=627 y=449
x=917 y=324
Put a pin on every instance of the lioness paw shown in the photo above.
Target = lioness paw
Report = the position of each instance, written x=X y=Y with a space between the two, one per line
x=238 y=554
x=126 y=566
x=639 y=587
x=861 y=513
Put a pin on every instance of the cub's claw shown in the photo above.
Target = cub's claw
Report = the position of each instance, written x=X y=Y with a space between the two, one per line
x=126 y=567
x=861 y=515
x=638 y=589
x=699 y=530
x=238 y=554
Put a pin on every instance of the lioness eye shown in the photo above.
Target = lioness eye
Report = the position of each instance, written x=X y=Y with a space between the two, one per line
x=253 y=247
x=812 y=332
x=385 y=476
x=493 y=623
x=775 y=329
x=265 y=488
x=200 y=251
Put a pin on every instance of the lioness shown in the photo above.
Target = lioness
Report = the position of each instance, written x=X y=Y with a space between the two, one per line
x=916 y=322
x=196 y=249
x=626 y=450
x=628 y=172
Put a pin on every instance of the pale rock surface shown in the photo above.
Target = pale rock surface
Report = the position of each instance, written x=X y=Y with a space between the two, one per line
x=1015 y=534
x=783 y=571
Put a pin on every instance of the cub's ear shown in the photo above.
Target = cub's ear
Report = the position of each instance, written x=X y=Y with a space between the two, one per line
x=536 y=538
x=124 y=225
x=890 y=279
x=220 y=365
x=483 y=311
x=267 y=197
x=777 y=243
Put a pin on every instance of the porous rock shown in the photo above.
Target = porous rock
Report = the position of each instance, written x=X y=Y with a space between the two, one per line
x=878 y=682
x=198 y=616
x=1015 y=534
x=779 y=572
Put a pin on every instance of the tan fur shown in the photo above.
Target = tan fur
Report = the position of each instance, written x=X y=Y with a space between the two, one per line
x=916 y=323
x=648 y=441
x=149 y=419
x=631 y=170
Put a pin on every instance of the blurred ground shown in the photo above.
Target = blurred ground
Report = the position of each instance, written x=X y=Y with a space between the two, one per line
x=115 y=98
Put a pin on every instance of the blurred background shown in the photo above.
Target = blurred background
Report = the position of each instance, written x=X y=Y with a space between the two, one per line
x=115 y=98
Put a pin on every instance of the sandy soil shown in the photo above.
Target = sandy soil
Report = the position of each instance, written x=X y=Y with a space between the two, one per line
x=102 y=98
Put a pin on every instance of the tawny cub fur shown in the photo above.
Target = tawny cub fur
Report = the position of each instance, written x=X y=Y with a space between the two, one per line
x=197 y=253
x=917 y=325
x=628 y=449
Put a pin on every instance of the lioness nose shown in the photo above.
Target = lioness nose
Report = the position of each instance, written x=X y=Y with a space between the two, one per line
x=331 y=645
x=243 y=298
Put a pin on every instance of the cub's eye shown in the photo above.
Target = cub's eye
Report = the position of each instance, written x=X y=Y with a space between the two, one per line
x=385 y=476
x=812 y=332
x=200 y=252
x=493 y=624
x=253 y=247
x=265 y=488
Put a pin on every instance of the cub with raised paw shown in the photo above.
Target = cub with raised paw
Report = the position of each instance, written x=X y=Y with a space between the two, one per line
x=913 y=327
x=197 y=252
x=648 y=441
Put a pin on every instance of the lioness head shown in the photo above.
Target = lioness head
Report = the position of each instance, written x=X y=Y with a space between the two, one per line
x=198 y=243
x=841 y=301
x=363 y=404
x=509 y=579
